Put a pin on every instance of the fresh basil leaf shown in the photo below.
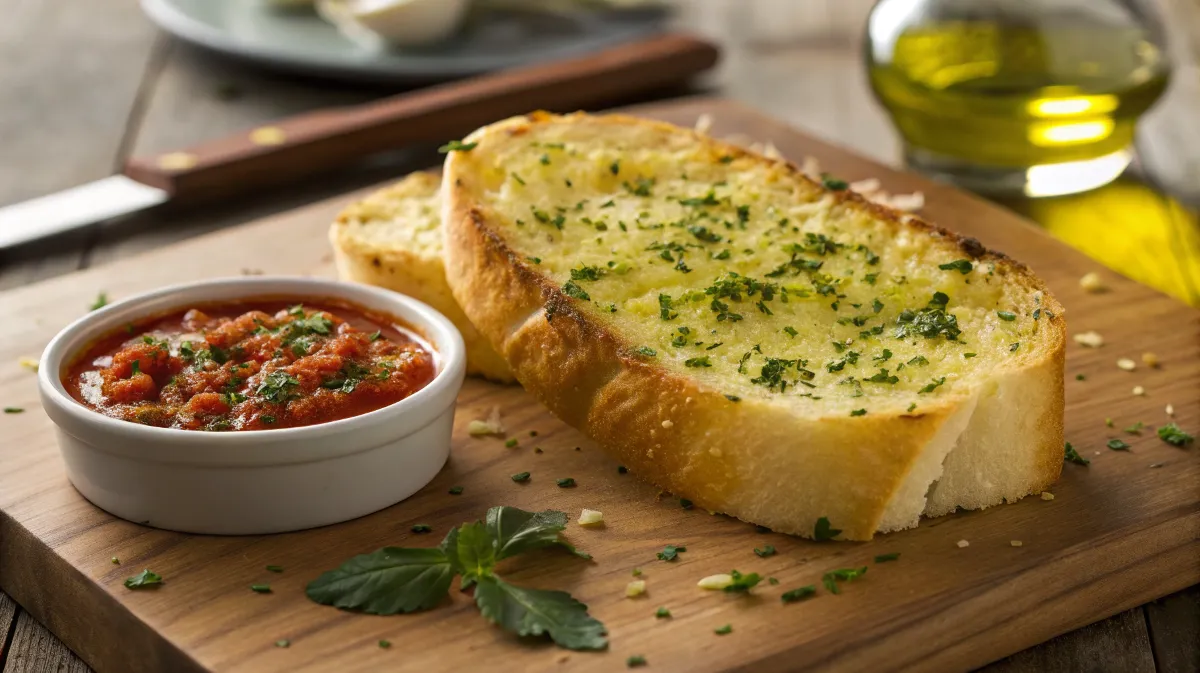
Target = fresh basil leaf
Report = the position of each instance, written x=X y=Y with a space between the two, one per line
x=386 y=581
x=535 y=612
x=516 y=531
x=146 y=578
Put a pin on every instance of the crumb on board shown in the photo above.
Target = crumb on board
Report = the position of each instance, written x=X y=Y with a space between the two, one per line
x=490 y=426
x=963 y=543
x=591 y=517
x=1015 y=543
x=1126 y=364
x=28 y=363
x=1170 y=410
x=635 y=588
x=1047 y=495
x=1091 y=282
x=1139 y=391
x=1150 y=359
x=1091 y=339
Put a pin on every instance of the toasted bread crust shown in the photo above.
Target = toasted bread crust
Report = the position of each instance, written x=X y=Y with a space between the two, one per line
x=750 y=459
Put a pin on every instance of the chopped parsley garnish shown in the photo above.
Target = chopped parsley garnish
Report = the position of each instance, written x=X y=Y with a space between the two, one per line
x=615 y=167
x=796 y=595
x=1117 y=445
x=621 y=469
x=962 y=265
x=1174 y=435
x=1072 y=456
x=823 y=531
x=275 y=569
x=455 y=490
x=858 y=412
x=422 y=528
x=384 y=644
x=1012 y=348
x=934 y=385
x=929 y=322
x=146 y=578
x=831 y=578
x=791 y=331
x=1007 y=316
x=261 y=588
x=670 y=552
x=283 y=643
x=662 y=613
x=398 y=580
x=635 y=661
x=511 y=443
x=742 y=583
x=723 y=630
x=520 y=477
x=456 y=146
x=766 y=551
x=566 y=482
x=13 y=410
x=572 y=290
x=664 y=307
x=697 y=362
x=646 y=351
x=884 y=558
x=100 y=302
x=834 y=183
x=1135 y=429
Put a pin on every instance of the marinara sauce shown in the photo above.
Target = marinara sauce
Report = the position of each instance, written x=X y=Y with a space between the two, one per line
x=251 y=365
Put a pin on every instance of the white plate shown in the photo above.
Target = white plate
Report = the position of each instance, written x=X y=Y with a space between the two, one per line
x=300 y=41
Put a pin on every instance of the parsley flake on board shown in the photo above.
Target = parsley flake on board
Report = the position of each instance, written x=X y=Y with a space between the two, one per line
x=1007 y=316
x=662 y=613
x=767 y=550
x=884 y=558
x=1135 y=429
x=831 y=578
x=635 y=661
x=144 y=579
x=261 y=588
x=283 y=643
x=511 y=443
x=456 y=146
x=1174 y=435
x=384 y=644
x=742 y=583
x=858 y=412
x=823 y=531
x=1117 y=445
x=14 y=410
x=685 y=503
x=567 y=482
x=455 y=490
x=961 y=265
x=670 y=552
x=394 y=580
x=796 y=595
x=422 y=528
x=833 y=183
x=1072 y=456
x=275 y=569
x=723 y=630
x=520 y=477
x=100 y=302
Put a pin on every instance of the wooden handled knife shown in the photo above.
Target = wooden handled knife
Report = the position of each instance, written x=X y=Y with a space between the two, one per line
x=318 y=141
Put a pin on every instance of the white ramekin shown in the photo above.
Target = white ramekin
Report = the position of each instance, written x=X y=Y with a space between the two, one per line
x=262 y=481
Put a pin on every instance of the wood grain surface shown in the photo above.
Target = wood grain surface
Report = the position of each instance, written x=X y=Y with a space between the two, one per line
x=1119 y=532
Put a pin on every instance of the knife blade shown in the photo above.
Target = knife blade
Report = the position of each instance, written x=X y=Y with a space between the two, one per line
x=307 y=144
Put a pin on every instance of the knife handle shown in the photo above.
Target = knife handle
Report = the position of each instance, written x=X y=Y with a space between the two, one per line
x=313 y=142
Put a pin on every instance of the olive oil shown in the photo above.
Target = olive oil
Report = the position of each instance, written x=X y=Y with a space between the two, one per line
x=1012 y=96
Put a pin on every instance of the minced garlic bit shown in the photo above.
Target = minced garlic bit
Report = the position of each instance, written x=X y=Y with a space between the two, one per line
x=1139 y=391
x=1089 y=339
x=590 y=517
x=178 y=161
x=28 y=363
x=1150 y=359
x=1170 y=410
x=1127 y=364
x=635 y=588
x=667 y=425
x=1091 y=282
x=1047 y=495
x=715 y=582
x=963 y=543
x=492 y=426
x=1015 y=543
x=268 y=135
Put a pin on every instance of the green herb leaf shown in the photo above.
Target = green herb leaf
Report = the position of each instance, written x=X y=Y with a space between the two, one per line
x=422 y=528
x=1007 y=316
x=536 y=612
x=275 y=569
x=646 y=351
x=1135 y=429
x=100 y=302
x=823 y=531
x=456 y=490
x=1174 y=435
x=283 y=643
x=884 y=558
x=456 y=146
x=670 y=552
x=517 y=531
x=146 y=578
x=831 y=578
x=566 y=482
x=796 y=595
x=520 y=477
x=261 y=588
x=571 y=289
x=934 y=385
x=1072 y=456
x=385 y=582
x=962 y=265
x=13 y=410
x=662 y=613
x=385 y=644
x=766 y=551
x=833 y=183
x=685 y=503
x=858 y=412
x=635 y=661
x=742 y=583
x=724 y=630
x=1117 y=445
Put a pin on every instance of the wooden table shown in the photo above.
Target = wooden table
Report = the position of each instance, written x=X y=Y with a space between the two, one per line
x=86 y=84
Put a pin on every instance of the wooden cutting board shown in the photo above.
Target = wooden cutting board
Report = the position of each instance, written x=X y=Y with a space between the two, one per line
x=1118 y=533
